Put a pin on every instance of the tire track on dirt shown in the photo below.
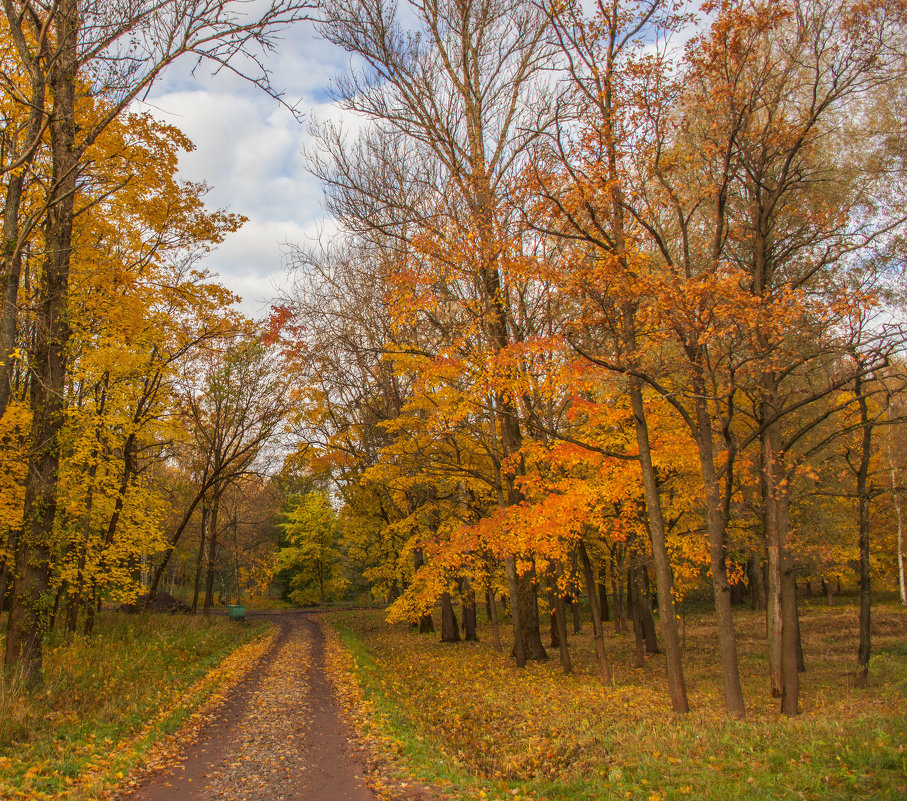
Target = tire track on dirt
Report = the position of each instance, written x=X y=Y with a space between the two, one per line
x=279 y=737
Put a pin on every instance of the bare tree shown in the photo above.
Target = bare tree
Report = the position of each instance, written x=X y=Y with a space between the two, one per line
x=454 y=92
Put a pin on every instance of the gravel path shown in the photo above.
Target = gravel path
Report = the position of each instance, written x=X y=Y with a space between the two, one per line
x=278 y=738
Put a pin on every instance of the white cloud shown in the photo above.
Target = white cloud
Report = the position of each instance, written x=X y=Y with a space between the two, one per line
x=249 y=152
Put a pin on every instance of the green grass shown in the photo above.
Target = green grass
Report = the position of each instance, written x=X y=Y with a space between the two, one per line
x=107 y=699
x=463 y=718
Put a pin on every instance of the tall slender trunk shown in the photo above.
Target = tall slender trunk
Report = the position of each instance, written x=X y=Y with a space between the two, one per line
x=603 y=599
x=35 y=63
x=676 y=683
x=646 y=618
x=781 y=574
x=176 y=536
x=756 y=582
x=75 y=596
x=94 y=606
x=898 y=513
x=639 y=650
x=573 y=602
x=863 y=493
x=572 y=599
x=29 y=616
x=772 y=579
x=426 y=624
x=618 y=594
x=468 y=597
x=560 y=609
x=493 y=618
x=61 y=591
x=555 y=640
x=664 y=581
x=5 y=569
x=9 y=290
x=203 y=533
x=598 y=633
x=74 y=603
x=716 y=528
x=212 y=556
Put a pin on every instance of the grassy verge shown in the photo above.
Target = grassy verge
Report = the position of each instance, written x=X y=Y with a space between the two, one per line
x=107 y=699
x=464 y=719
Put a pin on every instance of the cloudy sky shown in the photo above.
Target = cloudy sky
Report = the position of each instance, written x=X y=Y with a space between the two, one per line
x=249 y=151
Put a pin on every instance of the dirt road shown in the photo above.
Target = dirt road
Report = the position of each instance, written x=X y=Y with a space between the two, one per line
x=278 y=738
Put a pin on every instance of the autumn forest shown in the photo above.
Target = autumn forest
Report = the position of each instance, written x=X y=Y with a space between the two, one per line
x=598 y=368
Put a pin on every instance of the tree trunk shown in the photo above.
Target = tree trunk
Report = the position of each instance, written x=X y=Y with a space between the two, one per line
x=75 y=597
x=646 y=618
x=9 y=290
x=598 y=633
x=199 y=559
x=772 y=573
x=863 y=494
x=756 y=582
x=29 y=616
x=5 y=571
x=206 y=484
x=716 y=527
x=527 y=597
x=495 y=630
x=560 y=609
x=781 y=572
x=61 y=590
x=552 y=617
x=92 y=609
x=676 y=683
x=782 y=575
x=36 y=64
x=468 y=596
x=603 y=600
x=617 y=590
x=573 y=601
x=519 y=651
x=790 y=637
x=212 y=554
x=572 y=598
x=898 y=512
x=426 y=624
x=639 y=650
x=450 y=631
x=648 y=622
x=555 y=639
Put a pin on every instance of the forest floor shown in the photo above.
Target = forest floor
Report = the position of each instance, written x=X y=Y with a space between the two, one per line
x=464 y=719
x=343 y=707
